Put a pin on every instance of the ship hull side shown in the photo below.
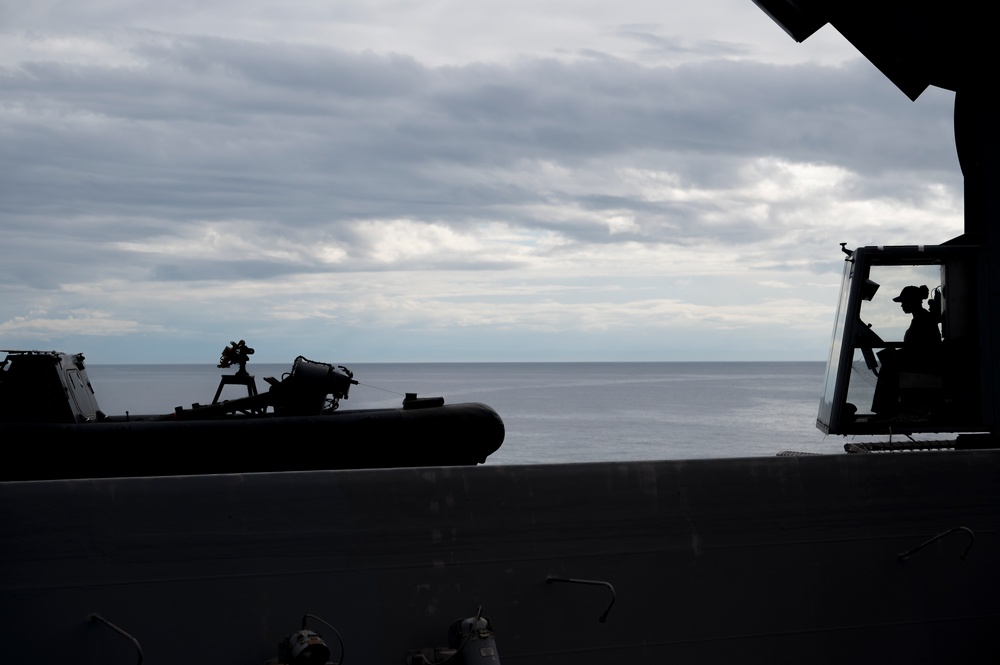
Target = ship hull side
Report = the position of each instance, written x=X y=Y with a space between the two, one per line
x=748 y=560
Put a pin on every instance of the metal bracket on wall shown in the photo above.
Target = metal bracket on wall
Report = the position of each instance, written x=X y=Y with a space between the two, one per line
x=965 y=529
x=604 y=617
x=135 y=642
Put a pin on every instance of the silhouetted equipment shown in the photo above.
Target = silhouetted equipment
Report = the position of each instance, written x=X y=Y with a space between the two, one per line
x=236 y=353
x=47 y=394
x=470 y=642
x=935 y=389
x=306 y=647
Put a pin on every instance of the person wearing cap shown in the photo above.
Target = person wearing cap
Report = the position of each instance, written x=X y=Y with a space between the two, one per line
x=923 y=335
x=920 y=355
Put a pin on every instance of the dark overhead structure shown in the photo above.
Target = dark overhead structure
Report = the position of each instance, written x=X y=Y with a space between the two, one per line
x=915 y=44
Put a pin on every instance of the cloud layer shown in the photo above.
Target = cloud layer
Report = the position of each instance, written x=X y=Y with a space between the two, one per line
x=644 y=196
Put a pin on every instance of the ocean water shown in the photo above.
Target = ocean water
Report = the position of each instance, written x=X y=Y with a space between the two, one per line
x=556 y=412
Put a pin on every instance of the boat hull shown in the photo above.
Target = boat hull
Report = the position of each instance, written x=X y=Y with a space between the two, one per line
x=453 y=434
x=769 y=560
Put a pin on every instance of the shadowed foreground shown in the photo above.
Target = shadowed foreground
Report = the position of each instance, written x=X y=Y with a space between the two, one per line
x=749 y=560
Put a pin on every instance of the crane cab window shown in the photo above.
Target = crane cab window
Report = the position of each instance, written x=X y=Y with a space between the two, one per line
x=905 y=353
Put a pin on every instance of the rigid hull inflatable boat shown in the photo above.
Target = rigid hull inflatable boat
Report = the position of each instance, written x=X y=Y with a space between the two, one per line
x=295 y=425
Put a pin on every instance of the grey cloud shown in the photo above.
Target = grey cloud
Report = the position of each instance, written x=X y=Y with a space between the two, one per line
x=546 y=106
x=658 y=45
x=306 y=137
x=291 y=67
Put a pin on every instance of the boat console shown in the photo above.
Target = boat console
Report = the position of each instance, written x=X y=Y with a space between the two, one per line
x=47 y=387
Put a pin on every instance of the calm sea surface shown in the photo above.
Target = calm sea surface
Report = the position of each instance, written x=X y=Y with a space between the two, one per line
x=556 y=412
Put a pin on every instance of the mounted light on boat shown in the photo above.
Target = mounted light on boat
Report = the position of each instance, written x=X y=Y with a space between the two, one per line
x=305 y=647
x=470 y=642
x=473 y=640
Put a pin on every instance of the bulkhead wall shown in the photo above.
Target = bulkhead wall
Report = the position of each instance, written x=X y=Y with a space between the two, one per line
x=751 y=560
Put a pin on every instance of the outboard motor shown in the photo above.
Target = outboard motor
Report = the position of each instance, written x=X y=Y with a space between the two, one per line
x=303 y=392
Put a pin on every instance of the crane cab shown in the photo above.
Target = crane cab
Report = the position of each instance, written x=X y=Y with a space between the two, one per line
x=884 y=376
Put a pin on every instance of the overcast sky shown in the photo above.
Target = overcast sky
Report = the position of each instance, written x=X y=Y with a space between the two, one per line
x=425 y=181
